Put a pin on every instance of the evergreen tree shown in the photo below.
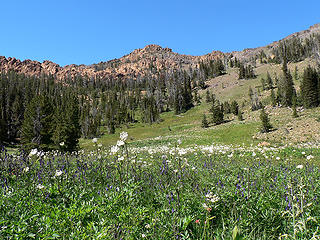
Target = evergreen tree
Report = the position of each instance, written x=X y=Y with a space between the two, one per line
x=234 y=107
x=266 y=125
x=240 y=116
x=295 y=73
x=67 y=129
x=294 y=108
x=208 y=97
x=2 y=128
x=38 y=123
x=269 y=82
x=286 y=87
x=263 y=84
x=273 y=98
x=226 y=108
x=217 y=114
x=204 y=123
x=309 y=88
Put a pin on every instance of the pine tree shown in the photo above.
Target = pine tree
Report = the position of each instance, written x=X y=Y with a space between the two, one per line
x=226 y=108
x=2 y=129
x=266 y=125
x=217 y=114
x=263 y=84
x=204 y=123
x=273 y=98
x=242 y=71
x=250 y=93
x=295 y=73
x=37 y=126
x=234 y=107
x=294 y=108
x=286 y=87
x=269 y=82
x=309 y=88
x=208 y=96
x=67 y=131
x=240 y=116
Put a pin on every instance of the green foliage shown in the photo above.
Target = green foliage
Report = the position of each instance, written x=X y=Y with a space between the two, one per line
x=195 y=193
x=269 y=82
x=273 y=98
x=286 y=90
x=309 y=88
x=217 y=113
x=37 y=127
x=240 y=116
x=265 y=122
x=234 y=107
x=204 y=123
x=246 y=72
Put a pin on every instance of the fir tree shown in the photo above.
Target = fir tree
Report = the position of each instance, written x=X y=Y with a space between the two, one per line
x=273 y=98
x=204 y=123
x=37 y=126
x=263 y=84
x=240 y=116
x=269 y=82
x=309 y=88
x=234 y=107
x=286 y=87
x=208 y=97
x=217 y=114
x=266 y=125
x=294 y=108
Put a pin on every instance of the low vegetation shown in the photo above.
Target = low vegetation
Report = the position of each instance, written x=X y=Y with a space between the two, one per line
x=161 y=192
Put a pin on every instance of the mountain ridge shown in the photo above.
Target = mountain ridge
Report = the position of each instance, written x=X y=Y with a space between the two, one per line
x=139 y=61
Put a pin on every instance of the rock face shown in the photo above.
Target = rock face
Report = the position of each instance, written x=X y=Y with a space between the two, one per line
x=137 y=63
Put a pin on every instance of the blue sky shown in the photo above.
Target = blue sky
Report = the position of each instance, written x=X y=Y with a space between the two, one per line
x=85 y=32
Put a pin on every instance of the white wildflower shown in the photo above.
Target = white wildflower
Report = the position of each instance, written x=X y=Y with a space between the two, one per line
x=120 y=143
x=309 y=157
x=120 y=158
x=100 y=145
x=176 y=170
x=95 y=140
x=212 y=197
x=303 y=153
x=205 y=205
x=58 y=173
x=124 y=136
x=299 y=166
x=114 y=149
x=33 y=152
x=254 y=154
x=61 y=144
x=148 y=226
x=179 y=141
x=182 y=152
x=143 y=235
x=278 y=158
x=39 y=186
x=26 y=169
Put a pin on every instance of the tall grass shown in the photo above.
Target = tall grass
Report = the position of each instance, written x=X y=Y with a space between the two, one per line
x=161 y=193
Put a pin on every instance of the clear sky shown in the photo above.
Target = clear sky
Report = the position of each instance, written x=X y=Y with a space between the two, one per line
x=86 y=32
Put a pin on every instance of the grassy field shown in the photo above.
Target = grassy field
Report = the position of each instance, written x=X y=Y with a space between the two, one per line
x=162 y=191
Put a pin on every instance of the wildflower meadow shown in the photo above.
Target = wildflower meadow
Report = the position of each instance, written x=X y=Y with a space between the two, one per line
x=161 y=192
